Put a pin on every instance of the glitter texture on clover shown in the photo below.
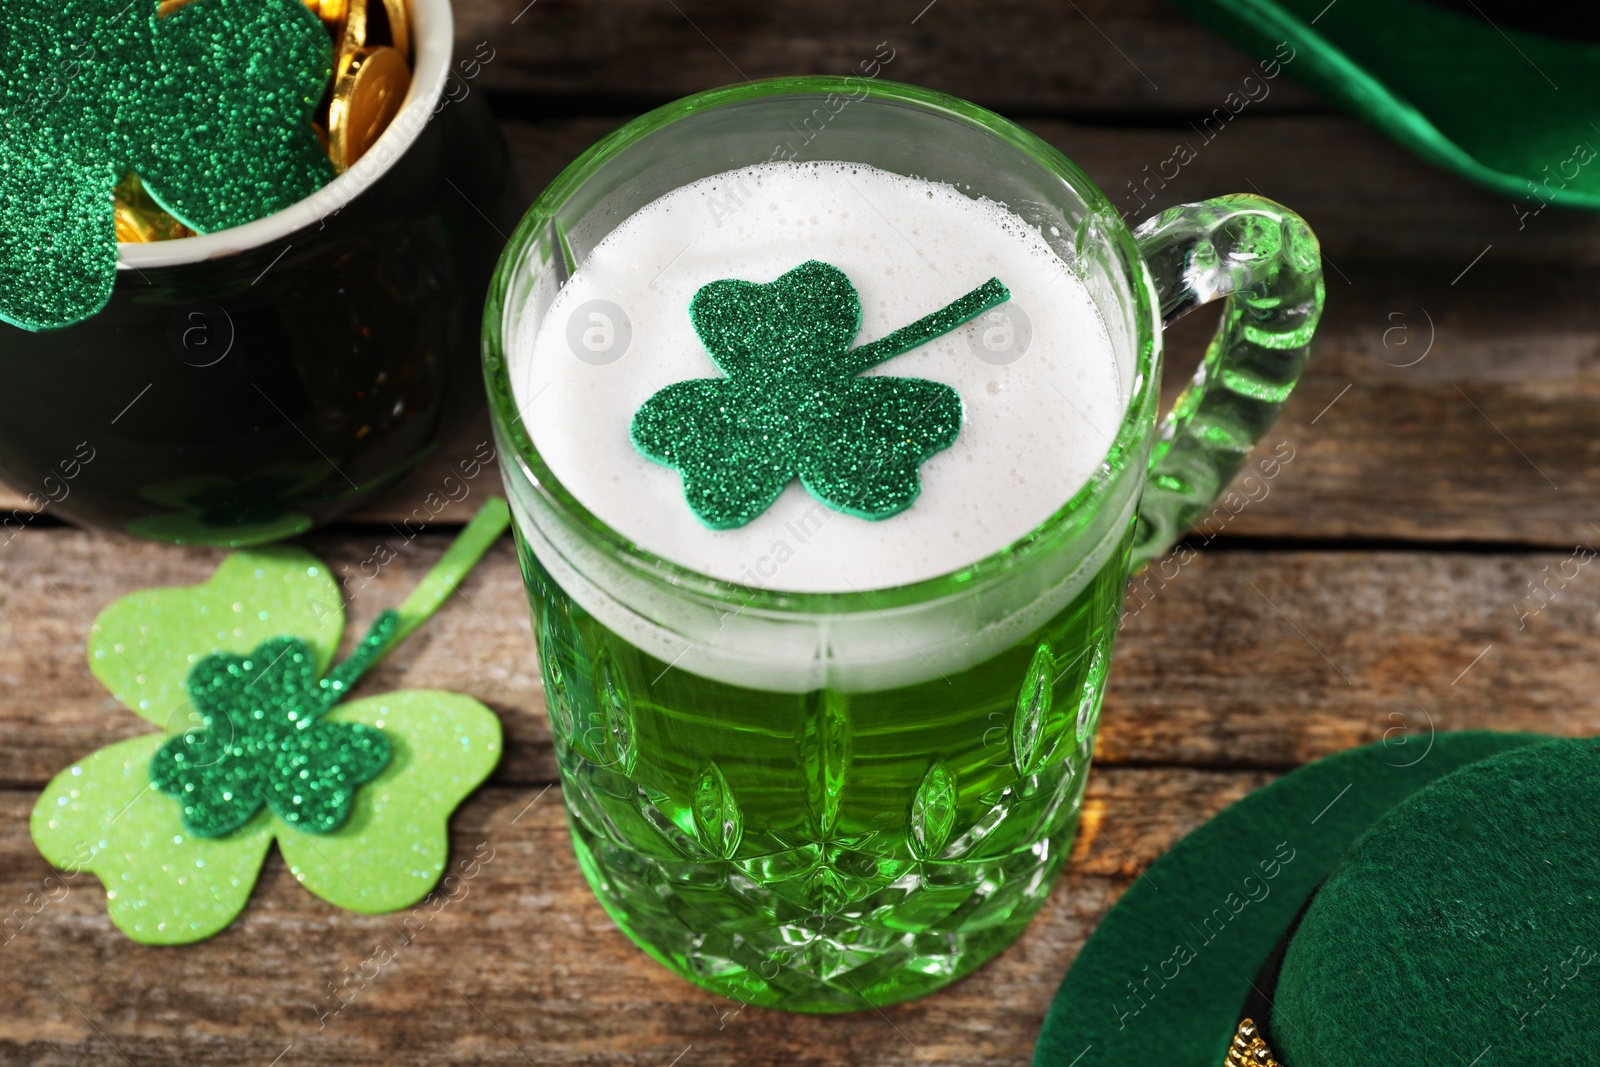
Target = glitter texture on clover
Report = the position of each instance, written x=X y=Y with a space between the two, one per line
x=794 y=403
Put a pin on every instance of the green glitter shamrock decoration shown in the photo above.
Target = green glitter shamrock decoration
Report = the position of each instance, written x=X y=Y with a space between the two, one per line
x=264 y=741
x=210 y=105
x=260 y=745
x=794 y=403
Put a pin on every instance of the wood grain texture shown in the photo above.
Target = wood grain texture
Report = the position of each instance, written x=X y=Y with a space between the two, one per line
x=1112 y=58
x=1240 y=659
x=516 y=965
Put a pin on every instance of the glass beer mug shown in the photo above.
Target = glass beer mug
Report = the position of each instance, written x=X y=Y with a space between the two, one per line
x=826 y=801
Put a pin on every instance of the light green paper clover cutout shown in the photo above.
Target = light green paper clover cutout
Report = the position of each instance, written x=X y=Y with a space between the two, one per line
x=395 y=844
x=164 y=885
x=168 y=886
x=143 y=646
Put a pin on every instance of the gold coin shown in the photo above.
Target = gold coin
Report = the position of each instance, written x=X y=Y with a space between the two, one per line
x=315 y=7
x=139 y=218
x=167 y=7
x=332 y=12
x=130 y=227
x=399 y=26
x=139 y=227
x=366 y=98
x=352 y=33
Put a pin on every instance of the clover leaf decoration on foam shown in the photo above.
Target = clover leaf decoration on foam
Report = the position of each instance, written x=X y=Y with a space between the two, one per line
x=210 y=104
x=260 y=743
x=794 y=403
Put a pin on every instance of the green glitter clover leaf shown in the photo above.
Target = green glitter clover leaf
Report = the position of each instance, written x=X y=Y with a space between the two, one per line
x=793 y=403
x=210 y=105
x=370 y=836
x=264 y=741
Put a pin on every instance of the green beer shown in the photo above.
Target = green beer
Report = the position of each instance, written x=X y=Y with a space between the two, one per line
x=824 y=851
x=844 y=770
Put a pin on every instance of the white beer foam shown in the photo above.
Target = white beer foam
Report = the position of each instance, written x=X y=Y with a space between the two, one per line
x=1034 y=429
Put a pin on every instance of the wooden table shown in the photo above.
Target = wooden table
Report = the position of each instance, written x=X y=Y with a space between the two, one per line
x=1445 y=465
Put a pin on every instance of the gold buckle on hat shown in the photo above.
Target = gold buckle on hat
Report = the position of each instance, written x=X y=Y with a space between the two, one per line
x=1248 y=1049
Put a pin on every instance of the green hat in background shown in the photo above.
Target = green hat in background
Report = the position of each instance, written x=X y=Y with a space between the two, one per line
x=1504 y=93
x=1436 y=902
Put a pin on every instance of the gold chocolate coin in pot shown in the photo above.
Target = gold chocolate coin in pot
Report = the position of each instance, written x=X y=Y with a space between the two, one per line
x=399 y=26
x=352 y=33
x=139 y=218
x=130 y=227
x=366 y=98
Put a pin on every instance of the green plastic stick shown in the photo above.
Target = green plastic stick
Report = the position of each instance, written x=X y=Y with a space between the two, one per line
x=475 y=539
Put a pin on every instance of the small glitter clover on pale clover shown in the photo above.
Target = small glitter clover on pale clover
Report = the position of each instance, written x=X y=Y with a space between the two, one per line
x=794 y=402
x=210 y=104
x=261 y=745
x=264 y=742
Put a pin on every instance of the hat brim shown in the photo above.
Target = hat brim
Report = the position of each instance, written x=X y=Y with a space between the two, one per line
x=1162 y=979
x=1507 y=109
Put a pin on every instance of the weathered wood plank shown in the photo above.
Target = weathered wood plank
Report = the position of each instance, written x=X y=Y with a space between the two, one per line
x=1279 y=658
x=521 y=966
x=1107 y=57
x=1238 y=659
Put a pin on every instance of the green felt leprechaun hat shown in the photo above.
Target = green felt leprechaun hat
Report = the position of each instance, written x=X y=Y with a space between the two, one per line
x=1432 y=903
x=1502 y=92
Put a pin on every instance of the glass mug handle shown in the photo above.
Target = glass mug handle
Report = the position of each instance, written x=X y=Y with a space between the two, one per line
x=1264 y=261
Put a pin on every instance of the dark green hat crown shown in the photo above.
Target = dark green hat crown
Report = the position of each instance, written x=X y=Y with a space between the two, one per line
x=1462 y=928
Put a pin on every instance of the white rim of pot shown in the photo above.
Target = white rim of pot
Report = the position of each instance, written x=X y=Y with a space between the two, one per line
x=433 y=37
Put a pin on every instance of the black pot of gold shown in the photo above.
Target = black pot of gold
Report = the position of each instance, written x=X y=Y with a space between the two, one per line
x=318 y=339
